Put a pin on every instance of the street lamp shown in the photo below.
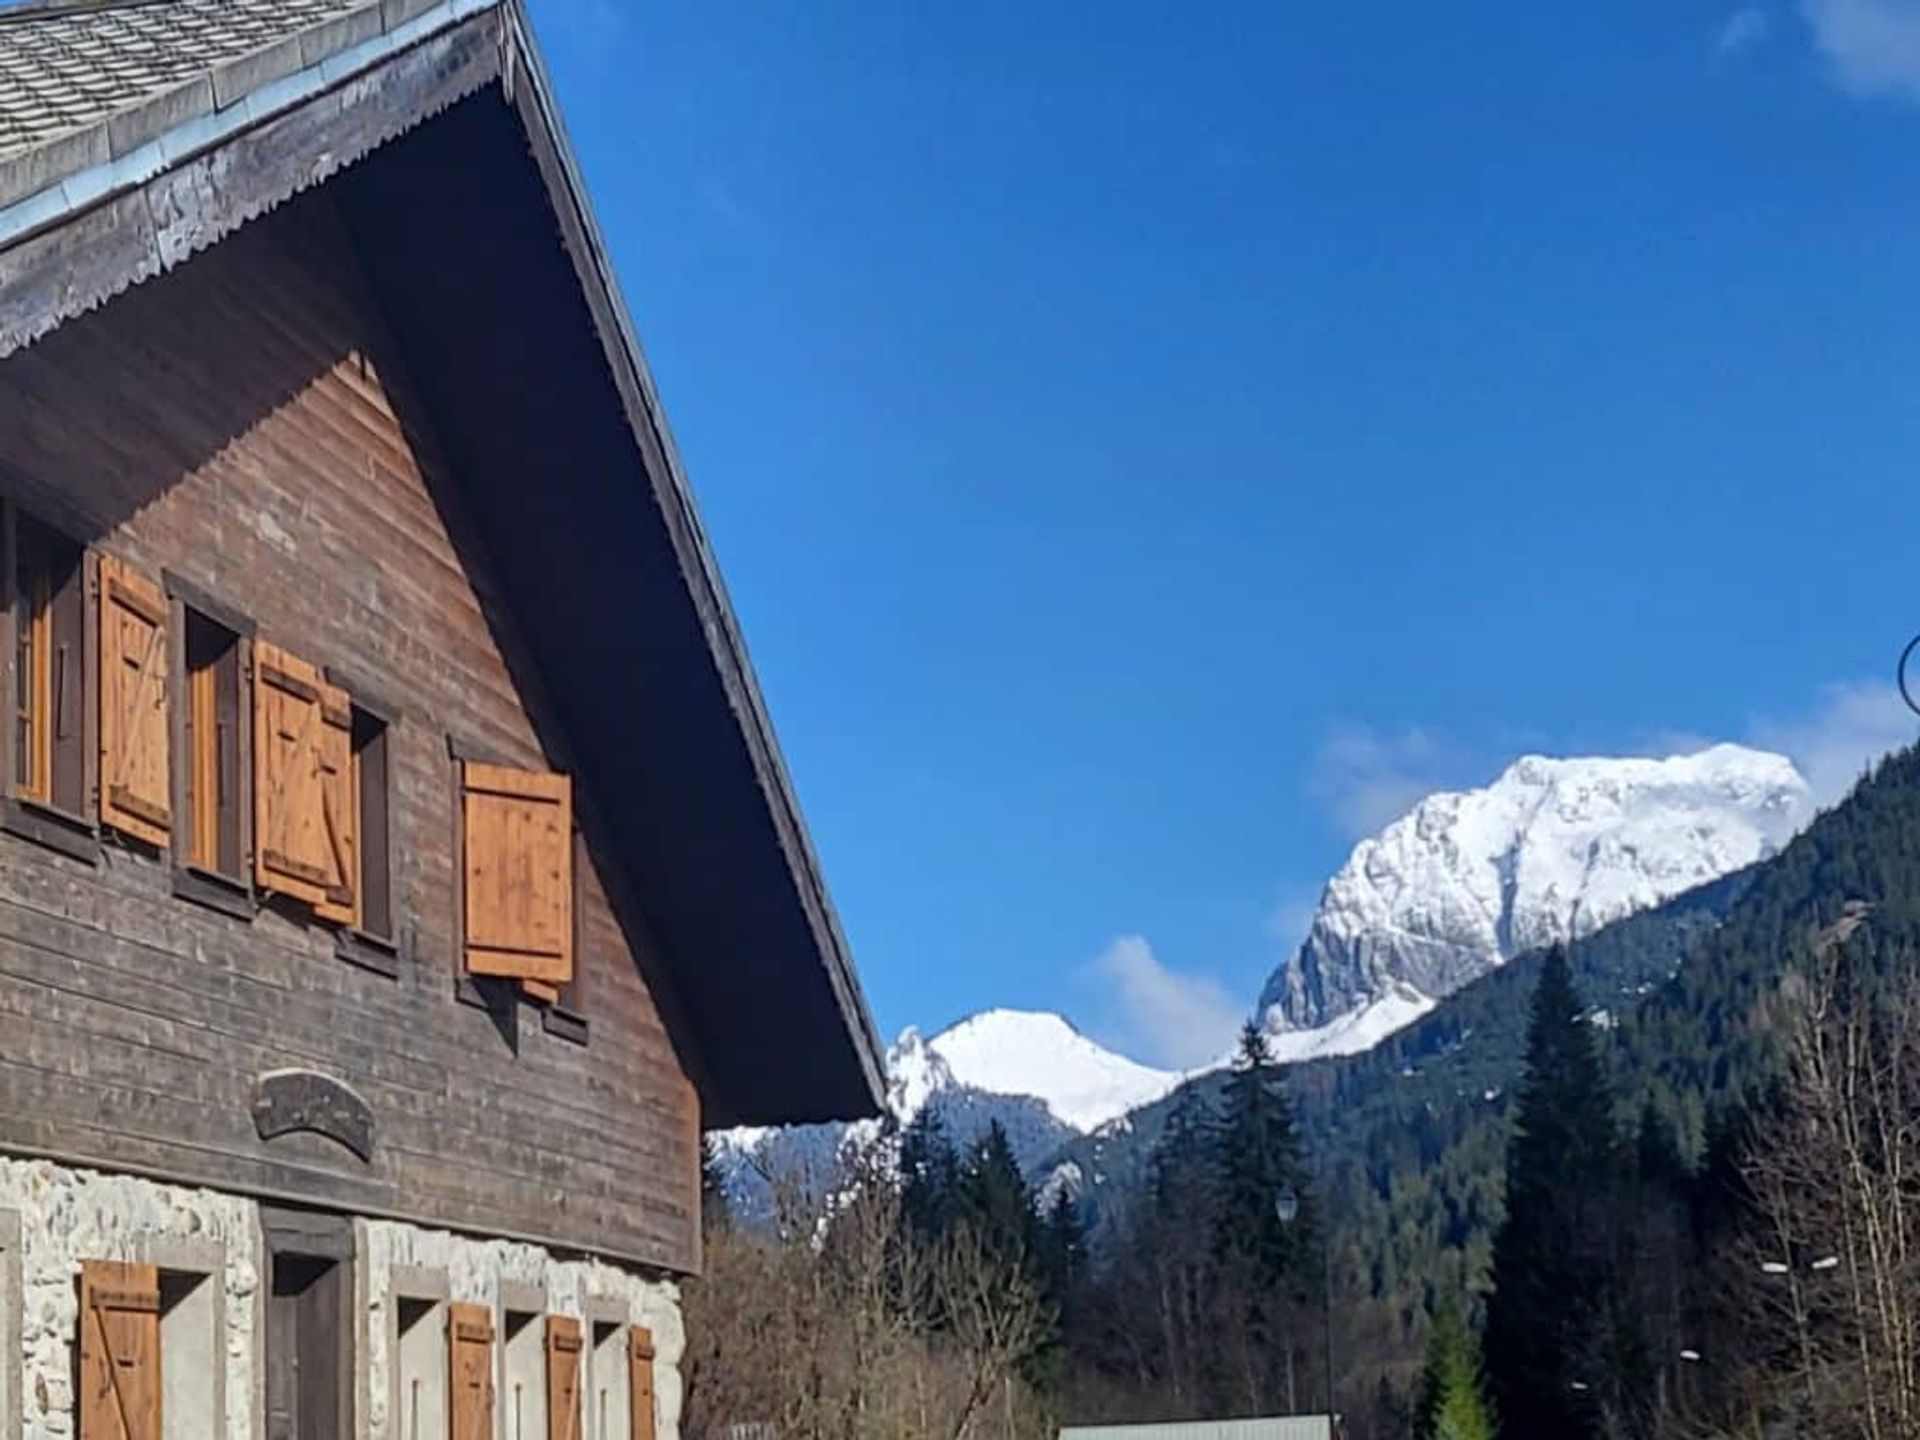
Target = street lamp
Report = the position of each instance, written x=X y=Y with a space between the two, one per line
x=1286 y=1206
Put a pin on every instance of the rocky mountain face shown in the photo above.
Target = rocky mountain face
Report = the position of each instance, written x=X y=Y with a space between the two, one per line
x=1552 y=850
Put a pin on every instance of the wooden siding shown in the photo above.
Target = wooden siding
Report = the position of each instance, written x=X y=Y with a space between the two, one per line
x=240 y=424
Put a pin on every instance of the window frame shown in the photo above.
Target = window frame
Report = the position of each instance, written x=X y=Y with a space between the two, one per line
x=74 y=809
x=371 y=727
x=416 y=1297
x=566 y=1016
x=229 y=891
x=357 y=944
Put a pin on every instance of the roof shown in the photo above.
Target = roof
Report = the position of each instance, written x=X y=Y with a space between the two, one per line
x=1293 y=1427
x=83 y=82
x=67 y=67
x=135 y=133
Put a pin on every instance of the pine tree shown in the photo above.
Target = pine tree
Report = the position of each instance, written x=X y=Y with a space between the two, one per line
x=929 y=1175
x=1453 y=1399
x=1263 y=1260
x=993 y=1200
x=1546 y=1336
x=1171 y=1234
x=1063 y=1249
x=1258 y=1158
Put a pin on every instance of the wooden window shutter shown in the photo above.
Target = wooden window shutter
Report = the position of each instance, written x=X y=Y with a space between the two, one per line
x=119 y=1351
x=516 y=844
x=291 y=851
x=640 y=1381
x=563 y=1378
x=470 y=1358
x=135 y=787
x=339 y=809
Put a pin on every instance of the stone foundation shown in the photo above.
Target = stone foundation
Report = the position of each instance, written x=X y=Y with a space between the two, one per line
x=53 y=1217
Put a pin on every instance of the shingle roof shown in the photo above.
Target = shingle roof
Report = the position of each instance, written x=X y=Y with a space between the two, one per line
x=66 y=67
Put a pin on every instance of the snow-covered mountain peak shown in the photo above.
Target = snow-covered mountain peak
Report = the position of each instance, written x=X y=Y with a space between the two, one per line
x=1024 y=1053
x=1551 y=850
x=1033 y=1074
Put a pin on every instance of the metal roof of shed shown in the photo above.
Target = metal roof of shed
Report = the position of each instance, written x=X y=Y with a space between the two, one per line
x=1285 y=1427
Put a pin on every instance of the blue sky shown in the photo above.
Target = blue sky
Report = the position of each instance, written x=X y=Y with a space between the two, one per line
x=1150 y=445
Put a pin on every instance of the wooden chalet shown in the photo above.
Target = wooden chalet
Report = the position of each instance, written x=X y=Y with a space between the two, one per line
x=397 y=869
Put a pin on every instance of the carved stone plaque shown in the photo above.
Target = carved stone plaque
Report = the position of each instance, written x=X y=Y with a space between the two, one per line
x=288 y=1100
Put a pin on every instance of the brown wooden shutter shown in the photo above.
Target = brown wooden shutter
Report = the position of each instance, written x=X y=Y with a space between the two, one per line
x=135 y=793
x=339 y=809
x=119 y=1351
x=563 y=1378
x=470 y=1358
x=291 y=853
x=517 y=850
x=640 y=1382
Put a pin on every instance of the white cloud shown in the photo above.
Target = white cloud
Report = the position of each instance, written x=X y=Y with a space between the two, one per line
x=1741 y=31
x=1850 y=726
x=1873 y=46
x=1164 y=1016
x=1365 y=778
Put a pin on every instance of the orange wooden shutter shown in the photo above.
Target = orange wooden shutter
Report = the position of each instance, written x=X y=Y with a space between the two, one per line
x=291 y=854
x=135 y=793
x=563 y=1378
x=339 y=809
x=119 y=1351
x=640 y=1381
x=517 y=843
x=470 y=1358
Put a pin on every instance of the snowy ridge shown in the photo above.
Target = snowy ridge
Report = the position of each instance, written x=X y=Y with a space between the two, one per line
x=1033 y=1074
x=1019 y=1052
x=1552 y=850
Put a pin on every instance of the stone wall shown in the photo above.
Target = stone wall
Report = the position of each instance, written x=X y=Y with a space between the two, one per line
x=65 y=1216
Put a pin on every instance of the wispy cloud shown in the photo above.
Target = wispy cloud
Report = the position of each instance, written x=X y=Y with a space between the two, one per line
x=1849 y=726
x=1160 y=1015
x=1365 y=777
x=1872 y=46
x=1741 y=31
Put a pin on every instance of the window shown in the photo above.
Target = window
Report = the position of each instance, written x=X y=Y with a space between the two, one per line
x=608 y=1415
x=516 y=845
x=150 y=1353
x=48 y=598
x=210 y=708
x=523 y=1387
x=420 y=1369
x=190 y=1356
x=371 y=789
